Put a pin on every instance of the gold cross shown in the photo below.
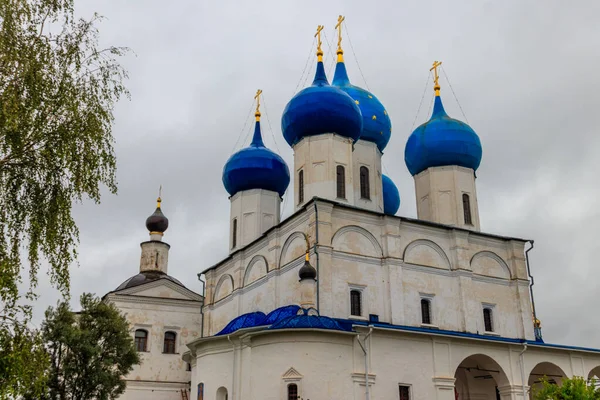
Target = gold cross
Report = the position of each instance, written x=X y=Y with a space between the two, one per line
x=339 y=28
x=319 y=43
x=257 y=98
x=159 y=197
x=436 y=77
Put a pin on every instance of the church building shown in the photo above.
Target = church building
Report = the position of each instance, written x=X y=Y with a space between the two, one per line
x=344 y=299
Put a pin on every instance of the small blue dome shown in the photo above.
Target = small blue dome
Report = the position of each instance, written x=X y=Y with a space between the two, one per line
x=320 y=108
x=391 y=196
x=281 y=313
x=248 y=320
x=442 y=141
x=377 y=127
x=256 y=167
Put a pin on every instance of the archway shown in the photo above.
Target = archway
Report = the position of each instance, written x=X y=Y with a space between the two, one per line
x=479 y=377
x=594 y=375
x=222 y=393
x=544 y=370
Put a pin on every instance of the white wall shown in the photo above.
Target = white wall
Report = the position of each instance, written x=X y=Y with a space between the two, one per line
x=256 y=211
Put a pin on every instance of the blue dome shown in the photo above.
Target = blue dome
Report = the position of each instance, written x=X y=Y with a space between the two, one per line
x=256 y=167
x=248 y=320
x=391 y=196
x=377 y=127
x=442 y=141
x=320 y=108
x=312 y=321
x=281 y=313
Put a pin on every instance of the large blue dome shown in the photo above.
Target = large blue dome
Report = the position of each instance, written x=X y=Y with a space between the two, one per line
x=442 y=141
x=256 y=167
x=321 y=108
x=391 y=196
x=377 y=127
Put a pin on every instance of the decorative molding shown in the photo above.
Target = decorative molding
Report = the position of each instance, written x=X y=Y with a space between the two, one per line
x=291 y=374
x=359 y=377
x=287 y=244
x=342 y=255
x=257 y=258
x=161 y=282
x=127 y=298
x=493 y=256
x=222 y=279
x=362 y=231
x=432 y=245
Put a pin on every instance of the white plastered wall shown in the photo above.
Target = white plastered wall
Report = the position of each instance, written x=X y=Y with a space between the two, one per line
x=366 y=154
x=256 y=211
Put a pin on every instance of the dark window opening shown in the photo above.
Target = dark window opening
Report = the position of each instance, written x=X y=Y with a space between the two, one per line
x=341 y=182
x=467 y=209
x=169 y=345
x=355 y=303
x=426 y=311
x=487 y=320
x=234 y=234
x=293 y=392
x=365 y=190
x=300 y=187
x=141 y=340
x=188 y=367
x=404 y=392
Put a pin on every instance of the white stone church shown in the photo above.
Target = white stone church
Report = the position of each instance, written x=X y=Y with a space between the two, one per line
x=343 y=299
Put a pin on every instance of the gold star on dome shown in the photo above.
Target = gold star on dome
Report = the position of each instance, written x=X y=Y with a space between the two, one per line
x=374 y=117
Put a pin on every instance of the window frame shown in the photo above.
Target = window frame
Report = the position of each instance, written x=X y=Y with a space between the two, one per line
x=174 y=342
x=301 y=186
x=429 y=319
x=408 y=388
x=361 y=302
x=289 y=385
x=145 y=340
x=340 y=182
x=492 y=318
x=365 y=184
x=234 y=229
x=467 y=212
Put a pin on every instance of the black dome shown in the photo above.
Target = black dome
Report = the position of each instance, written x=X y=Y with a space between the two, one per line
x=146 y=277
x=157 y=222
x=307 y=271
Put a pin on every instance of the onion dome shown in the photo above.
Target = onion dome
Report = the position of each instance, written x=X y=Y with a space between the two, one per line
x=442 y=141
x=391 y=196
x=321 y=108
x=146 y=277
x=377 y=127
x=307 y=271
x=256 y=167
x=157 y=222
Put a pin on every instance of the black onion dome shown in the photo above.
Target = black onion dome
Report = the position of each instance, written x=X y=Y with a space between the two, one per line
x=307 y=271
x=157 y=222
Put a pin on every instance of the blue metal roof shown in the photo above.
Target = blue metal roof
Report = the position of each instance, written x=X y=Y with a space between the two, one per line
x=248 y=320
x=313 y=322
x=281 y=313
x=442 y=141
x=256 y=167
x=321 y=108
x=377 y=126
x=391 y=196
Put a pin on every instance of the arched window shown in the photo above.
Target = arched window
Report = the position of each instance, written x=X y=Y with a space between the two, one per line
x=221 y=393
x=293 y=392
x=169 y=345
x=426 y=311
x=340 y=173
x=141 y=340
x=488 y=320
x=300 y=186
x=355 y=303
x=467 y=209
x=365 y=189
x=234 y=233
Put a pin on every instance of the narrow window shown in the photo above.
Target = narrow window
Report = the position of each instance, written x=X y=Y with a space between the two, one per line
x=404 y=392
x=188 y=367
x=426 y=311
x=365 y=190
x=141 y=340
x=467 y=209
x=355 y=300
x=169 y=345
x=341 y=182
x=487 y=320
x=234 y=234
x=292 y=391
x=300 y=186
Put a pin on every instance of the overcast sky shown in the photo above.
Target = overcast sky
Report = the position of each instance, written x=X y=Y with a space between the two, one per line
x=524 y=72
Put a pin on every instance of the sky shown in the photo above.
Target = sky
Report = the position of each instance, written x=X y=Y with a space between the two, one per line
x=523 y=73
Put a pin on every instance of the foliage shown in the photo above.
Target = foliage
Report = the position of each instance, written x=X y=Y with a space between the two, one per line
x=57 y=93
x=89 y=351
x=576 y=388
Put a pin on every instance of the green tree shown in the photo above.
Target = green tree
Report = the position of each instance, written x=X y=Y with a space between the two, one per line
x=57 y=93
x=90 y=351
x=576 y=388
